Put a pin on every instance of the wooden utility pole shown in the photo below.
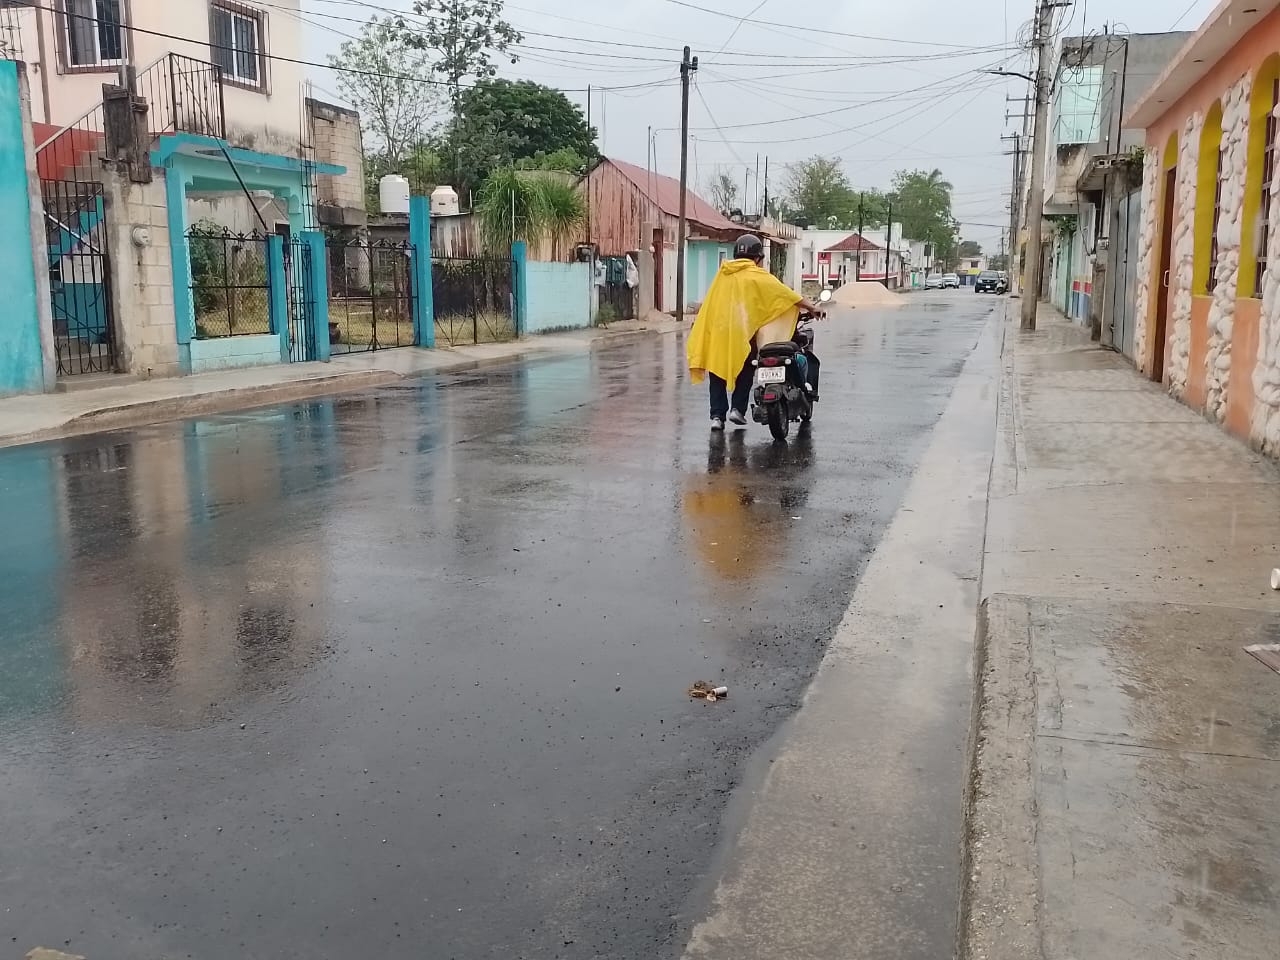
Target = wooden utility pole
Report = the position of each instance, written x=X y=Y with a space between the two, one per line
x=1039 y=143
x=688 y=66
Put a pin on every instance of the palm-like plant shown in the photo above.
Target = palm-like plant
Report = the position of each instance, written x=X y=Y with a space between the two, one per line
x=534 y=209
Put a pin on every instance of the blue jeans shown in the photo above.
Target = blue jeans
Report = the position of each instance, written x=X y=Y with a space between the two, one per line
x=719 y=391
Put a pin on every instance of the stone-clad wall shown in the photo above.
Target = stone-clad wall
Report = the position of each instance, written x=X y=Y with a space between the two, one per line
x=1148 y=232
x=1183 y=261
x=1235 y=141
x=1264 y=427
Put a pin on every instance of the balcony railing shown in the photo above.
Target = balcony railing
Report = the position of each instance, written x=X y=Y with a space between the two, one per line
x=183 y=94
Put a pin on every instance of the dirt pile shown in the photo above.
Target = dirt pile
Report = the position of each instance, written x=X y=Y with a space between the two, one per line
x=866 y=293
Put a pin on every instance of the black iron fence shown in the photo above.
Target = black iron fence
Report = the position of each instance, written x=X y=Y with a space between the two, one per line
x=473 y=299
x=298 y=272
x=230 y=289
x=79 y=276
x=371 y=295
x=617 y=302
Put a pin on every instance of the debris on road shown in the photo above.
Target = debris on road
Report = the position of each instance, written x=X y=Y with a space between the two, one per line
x=703 y=690
x=1275 y=579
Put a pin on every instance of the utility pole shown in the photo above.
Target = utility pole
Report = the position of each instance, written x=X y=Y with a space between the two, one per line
x=1015 y=202
x=1039 y=142
x=688 y=66
x=857 y=264
x=888 y=239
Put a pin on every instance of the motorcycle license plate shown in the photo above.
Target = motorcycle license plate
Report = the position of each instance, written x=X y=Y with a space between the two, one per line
x=773 y=374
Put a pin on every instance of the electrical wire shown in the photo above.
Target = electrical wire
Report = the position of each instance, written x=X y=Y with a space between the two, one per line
x=1185 y=13
x=822 y=30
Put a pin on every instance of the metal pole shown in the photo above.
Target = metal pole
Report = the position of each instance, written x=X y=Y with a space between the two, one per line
x=687 y=67
x=588 y=231
x=888 y=240
x=857 y=264
x=1035 y=198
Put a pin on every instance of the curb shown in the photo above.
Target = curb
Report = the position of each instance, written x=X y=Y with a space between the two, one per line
x=146 y=412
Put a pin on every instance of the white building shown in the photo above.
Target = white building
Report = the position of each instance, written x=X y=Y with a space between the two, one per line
x=73 y=47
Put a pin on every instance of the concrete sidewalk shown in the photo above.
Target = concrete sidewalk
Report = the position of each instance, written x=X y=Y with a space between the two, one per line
x=1126 y=774
x=30 y=418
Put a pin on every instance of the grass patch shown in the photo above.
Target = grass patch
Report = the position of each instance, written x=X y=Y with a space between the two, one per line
x=458 y=329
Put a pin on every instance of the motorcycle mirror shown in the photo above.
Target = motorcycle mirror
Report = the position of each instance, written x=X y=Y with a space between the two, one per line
x=824 y=295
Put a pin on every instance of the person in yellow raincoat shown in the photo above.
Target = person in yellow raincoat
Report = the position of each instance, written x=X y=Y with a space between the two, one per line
x=743 y=298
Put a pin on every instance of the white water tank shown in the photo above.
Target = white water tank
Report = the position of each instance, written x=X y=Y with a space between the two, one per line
x=393 y=194
x=444 y=201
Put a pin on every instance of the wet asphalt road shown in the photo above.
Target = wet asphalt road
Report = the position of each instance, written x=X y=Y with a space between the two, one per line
x=403 y=673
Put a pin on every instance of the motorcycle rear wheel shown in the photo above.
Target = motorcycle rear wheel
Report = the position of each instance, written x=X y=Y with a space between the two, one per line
x=779 y=420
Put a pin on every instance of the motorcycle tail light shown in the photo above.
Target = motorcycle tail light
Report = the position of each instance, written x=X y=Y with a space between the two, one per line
x=771 y=362
x=769 y=397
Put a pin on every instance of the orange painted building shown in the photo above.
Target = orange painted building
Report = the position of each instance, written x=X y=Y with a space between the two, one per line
x=1208 y=308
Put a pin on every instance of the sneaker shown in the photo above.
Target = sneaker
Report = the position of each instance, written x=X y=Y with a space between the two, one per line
x=717 y=423
x=738 y=417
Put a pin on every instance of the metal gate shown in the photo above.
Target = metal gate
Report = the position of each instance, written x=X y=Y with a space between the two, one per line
x=371 y=295
x=79 y=276
x=473 y=298
x=298 y=275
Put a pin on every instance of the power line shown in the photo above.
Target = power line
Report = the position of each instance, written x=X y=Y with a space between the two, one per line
x=821 y=30
x=1184 y=15
x=751 y=57
x=312 y=63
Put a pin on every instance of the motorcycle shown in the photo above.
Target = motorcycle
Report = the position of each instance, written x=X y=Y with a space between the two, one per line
x=786 y=380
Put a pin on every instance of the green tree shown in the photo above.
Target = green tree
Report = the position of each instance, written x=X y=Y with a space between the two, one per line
x=816 y=192
x=970 y=248
x=922 y=204
x=565 y=159
x=390 y=82
x=467 y=35
x=538 y=119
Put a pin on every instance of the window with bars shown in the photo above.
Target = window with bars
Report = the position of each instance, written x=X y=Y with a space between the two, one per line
x=92 y=34
x=1213 y=236
x=235 y=42
x=1268 y=176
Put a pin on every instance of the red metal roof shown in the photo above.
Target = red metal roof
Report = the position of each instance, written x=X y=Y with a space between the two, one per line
x=854 y=243
x=664 y=193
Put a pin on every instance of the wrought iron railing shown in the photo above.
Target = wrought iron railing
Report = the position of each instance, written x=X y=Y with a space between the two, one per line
x=182 y=93
x=371 y=295
x=473 y=299
x=230 y=285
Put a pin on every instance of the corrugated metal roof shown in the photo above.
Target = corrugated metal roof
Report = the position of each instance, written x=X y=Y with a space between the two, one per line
x=664 y=193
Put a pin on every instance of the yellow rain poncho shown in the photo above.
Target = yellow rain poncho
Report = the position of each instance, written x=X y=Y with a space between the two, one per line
x=742 y=299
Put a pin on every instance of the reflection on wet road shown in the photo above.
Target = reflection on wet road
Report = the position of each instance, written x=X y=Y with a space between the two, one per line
x=405 y=671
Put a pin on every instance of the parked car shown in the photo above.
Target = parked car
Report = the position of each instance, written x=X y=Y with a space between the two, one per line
x=950 y=280
x=933 y=281
x=988 y=282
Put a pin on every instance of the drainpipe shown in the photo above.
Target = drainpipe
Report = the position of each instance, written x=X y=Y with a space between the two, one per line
x=44 y=63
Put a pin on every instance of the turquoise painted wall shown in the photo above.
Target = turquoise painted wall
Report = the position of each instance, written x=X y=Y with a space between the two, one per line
x=21 y=360
x=559 y=296
x=702 y=263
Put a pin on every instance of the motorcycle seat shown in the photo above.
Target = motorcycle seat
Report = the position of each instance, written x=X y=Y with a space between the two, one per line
x=785 y=349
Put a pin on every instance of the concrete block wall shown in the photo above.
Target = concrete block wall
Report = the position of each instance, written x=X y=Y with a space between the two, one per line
x=335 y=135
x=137 y=222
x=559 y=296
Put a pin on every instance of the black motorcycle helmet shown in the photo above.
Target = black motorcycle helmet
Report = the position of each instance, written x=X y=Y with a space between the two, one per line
x=748 y=247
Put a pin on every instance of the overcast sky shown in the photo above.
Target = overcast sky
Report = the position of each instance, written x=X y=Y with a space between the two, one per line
x=794 y=79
